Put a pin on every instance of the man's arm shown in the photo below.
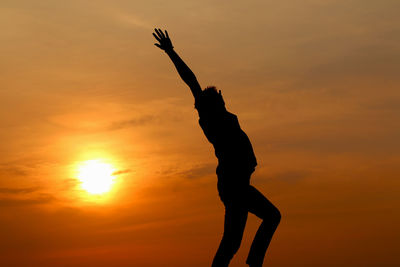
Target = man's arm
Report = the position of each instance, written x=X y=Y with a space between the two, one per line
x=184 y=71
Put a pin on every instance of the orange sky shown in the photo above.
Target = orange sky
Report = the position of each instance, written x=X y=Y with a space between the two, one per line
x=315 y=85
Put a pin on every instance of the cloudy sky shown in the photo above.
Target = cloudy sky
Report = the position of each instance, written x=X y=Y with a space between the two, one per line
x=315 y=85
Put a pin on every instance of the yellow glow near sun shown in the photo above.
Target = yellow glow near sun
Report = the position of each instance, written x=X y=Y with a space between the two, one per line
x=96 y=176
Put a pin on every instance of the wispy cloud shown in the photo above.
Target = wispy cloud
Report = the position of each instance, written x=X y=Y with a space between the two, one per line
x=130 y=123
x=23 y=190
x=18 y=202
x=11 y=170
x=196 y=171
x=23 y=196
x=121 y=172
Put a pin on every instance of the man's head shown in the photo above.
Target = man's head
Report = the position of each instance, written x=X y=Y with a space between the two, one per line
x=213 y=98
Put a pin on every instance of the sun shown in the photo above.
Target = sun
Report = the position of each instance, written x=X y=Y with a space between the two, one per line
x=96 y=176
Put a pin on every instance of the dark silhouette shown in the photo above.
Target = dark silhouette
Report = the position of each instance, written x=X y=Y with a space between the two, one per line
x=236 y=163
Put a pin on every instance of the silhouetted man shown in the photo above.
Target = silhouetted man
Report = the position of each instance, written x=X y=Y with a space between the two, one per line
x=236 y=163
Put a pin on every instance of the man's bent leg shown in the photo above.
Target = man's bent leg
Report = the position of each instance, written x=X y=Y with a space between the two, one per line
x=235 y=222
x=264 y=209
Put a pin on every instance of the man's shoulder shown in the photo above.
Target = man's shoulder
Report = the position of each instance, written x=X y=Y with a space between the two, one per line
x=232 y=117
x=230 y=114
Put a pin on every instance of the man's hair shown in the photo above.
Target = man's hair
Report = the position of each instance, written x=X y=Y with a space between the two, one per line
x=212 y=97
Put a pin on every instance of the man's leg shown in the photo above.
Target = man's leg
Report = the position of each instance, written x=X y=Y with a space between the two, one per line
x=235 y=222
x=264 y=209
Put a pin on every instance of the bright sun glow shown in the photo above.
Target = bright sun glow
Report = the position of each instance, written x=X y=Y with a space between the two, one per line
x=96 y=176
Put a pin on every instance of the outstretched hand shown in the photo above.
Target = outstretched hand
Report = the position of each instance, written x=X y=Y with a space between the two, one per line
x=163 y=39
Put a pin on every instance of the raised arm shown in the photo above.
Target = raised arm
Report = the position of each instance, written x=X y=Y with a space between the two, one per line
x=184 y=71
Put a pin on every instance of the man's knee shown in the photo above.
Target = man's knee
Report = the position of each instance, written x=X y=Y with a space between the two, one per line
x=272 y=216
x=276 y=218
